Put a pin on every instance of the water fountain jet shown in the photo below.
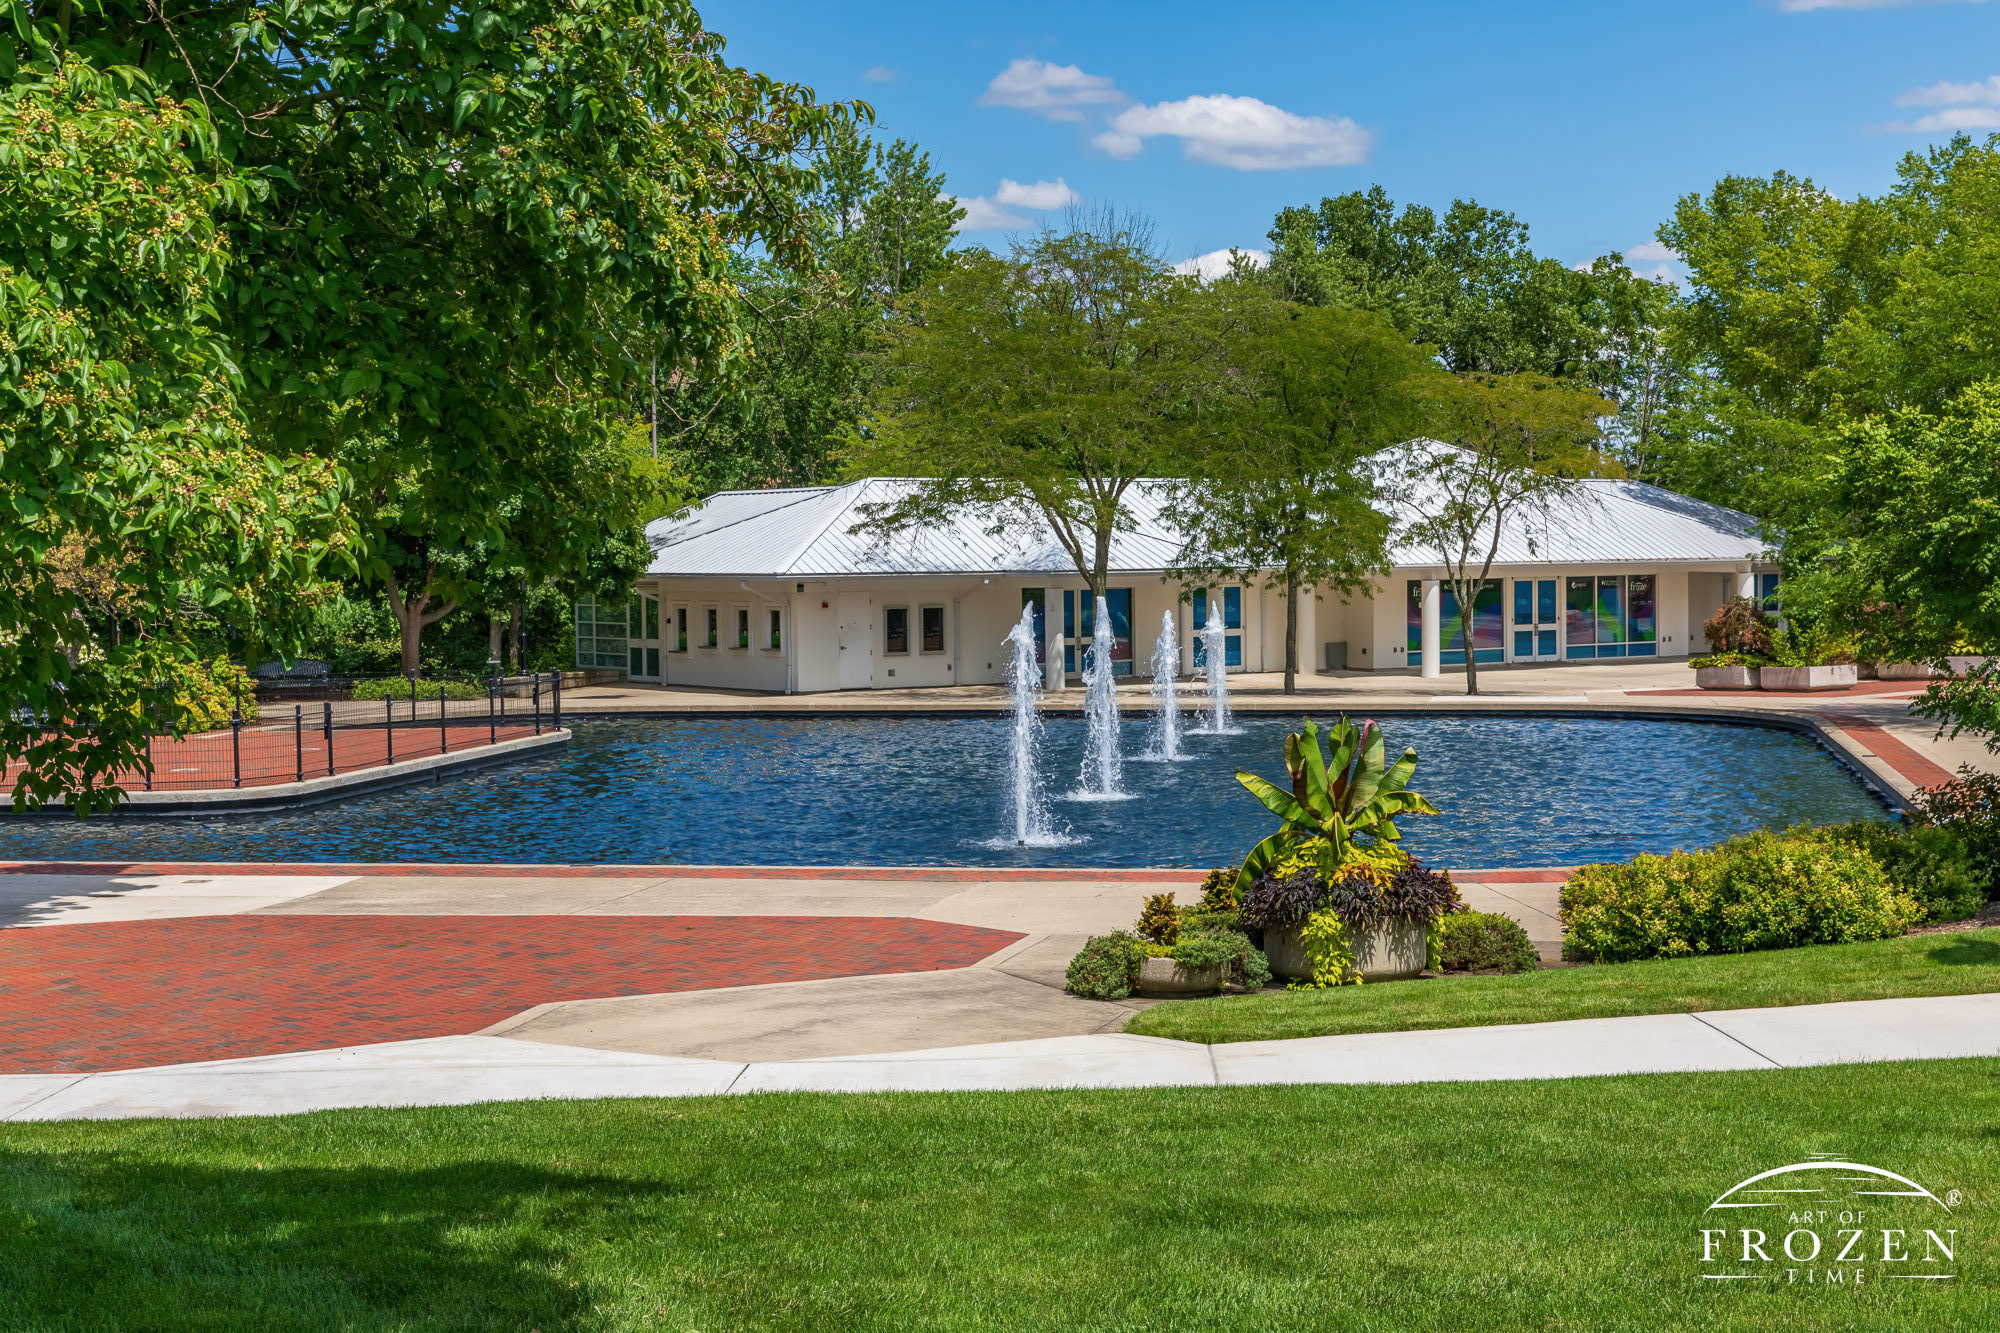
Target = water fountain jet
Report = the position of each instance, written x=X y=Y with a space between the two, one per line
x=1166 y=689
x=1214 y=649
x=1098 y=780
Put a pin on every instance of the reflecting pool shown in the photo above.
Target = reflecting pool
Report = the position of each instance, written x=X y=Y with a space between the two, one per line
x=935 y=791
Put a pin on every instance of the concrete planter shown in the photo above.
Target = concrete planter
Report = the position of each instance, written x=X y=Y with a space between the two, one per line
x=1165 y=976
x=1903 y=671
x=1963 y=665
x=1393 y=950
x=1726 y=678
x=1808 y=678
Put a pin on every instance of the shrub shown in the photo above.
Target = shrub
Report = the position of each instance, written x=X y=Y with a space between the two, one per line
x=1482 y=941
x=1968 y=807
x=1226 y=949
x=1371 y=890
x=1107 y=967
x=1160 y=919
x=1763 y=891
x=1284 y=896
x=365 y=657
x=1201 y=918
x=208 y=692
x=1218 y=891
x=1741 y=626
x=398 y=688
x=1929 y=863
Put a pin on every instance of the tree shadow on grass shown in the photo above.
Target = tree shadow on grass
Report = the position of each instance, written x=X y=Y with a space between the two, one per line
x=99 y=1240
x=1967 y=953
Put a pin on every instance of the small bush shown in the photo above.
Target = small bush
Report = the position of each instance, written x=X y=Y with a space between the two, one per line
x=1218 y=891
x=1106 y=968
x=365 y=657
x=1967 y=807
x=1741 y=626
x=398 y=688
x=1226 y=949
x=1763 y=891
x=1284 y=896
x=1929 y=863
x=1201 y=918
x=1483 y=941
x=209 y=692
x=1160 y=919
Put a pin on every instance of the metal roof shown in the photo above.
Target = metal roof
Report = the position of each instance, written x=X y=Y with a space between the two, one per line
x=805 y=532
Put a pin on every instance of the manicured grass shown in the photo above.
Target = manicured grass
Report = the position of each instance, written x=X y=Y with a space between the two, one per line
x=1564 y=1205
x=1959 y=964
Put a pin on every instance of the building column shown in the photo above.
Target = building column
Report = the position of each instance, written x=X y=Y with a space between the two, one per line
x=1746 y=583
x=1432 y=631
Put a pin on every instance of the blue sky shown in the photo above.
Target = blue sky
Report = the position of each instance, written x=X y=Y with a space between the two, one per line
x=1587 y=120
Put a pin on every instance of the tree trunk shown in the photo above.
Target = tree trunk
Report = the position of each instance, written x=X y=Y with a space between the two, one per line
x=514 y=641
x=1465 y=609
x=493 y=627
x=1291 y=632
x=412 y=614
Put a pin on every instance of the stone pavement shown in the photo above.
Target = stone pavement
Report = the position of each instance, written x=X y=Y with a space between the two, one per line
x=463 y=1070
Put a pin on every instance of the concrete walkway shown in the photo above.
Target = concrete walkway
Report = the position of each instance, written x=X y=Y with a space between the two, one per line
x=456 y=1071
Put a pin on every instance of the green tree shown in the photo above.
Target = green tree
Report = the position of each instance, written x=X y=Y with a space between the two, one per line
x=1043 y=385
x=1282 y=493
x=455 y=210
x=1511 y=454
x=134 y=504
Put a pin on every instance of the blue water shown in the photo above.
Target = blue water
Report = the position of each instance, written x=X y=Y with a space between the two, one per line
x=928 y=791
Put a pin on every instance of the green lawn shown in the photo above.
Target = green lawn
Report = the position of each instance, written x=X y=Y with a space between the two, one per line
x=1565 y=1205
x=1957 y=964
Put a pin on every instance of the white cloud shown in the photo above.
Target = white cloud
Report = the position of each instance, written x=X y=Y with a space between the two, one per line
x=1666 y=273
x=1804 y=6
x=1042 y=194
x=1951 y=121
x=1215 y=263
x=1984 y=93
x=881 y=74
x=1649 y=252
x=982 y=214
x=1053 y=91
x=1239 y=132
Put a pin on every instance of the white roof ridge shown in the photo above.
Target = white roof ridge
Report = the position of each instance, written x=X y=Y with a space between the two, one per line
x=798 y=553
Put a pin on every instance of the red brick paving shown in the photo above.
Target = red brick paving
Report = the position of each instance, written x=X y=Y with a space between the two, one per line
x=1913 y=766
x=127 y=994
x=271 y=756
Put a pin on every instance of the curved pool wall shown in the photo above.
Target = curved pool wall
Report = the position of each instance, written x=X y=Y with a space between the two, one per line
x=1514 y=791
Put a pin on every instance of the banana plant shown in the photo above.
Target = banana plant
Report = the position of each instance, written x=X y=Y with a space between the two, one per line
x=1332 y=800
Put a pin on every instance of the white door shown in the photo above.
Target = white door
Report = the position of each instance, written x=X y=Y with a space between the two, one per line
x=857 y=642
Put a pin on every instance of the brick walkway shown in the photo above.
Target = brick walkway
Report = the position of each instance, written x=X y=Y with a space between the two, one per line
x=129 y=994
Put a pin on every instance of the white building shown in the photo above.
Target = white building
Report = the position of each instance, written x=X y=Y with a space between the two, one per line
x=773 y=590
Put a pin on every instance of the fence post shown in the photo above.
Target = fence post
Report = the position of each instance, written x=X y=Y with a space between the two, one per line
x=326 y=720
x=492 y=734
x=299 y=739
x=389 y=727
x=444 y=733
x=149 y=749
x=555 y=698
x=413 y=696
x=538 y=703
x=236 y=749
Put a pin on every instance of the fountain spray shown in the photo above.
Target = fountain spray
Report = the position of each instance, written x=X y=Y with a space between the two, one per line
x=1099 y=778
x=1166 y=687
x=1024 y=677
x=1213 y=649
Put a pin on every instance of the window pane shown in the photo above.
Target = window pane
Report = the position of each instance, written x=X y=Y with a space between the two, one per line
x=1232 y=608
x=776 y=639
x=1451 y=625
x=652 y=661
x=1524 y=643
x=1545 y=601
x=1200 y=608
x=933 y=629
x=708 y=626
x=652 y=617
x=1414 y=639
x=1524 y=601
x=896 y=629
x=742 y=627
x=638 y=663
x=1610 y=609
x=1582 y=614
x=1545 y=643
x=1639 y=609
x=1487 y=630
x=1069 y=614
x=634 y=625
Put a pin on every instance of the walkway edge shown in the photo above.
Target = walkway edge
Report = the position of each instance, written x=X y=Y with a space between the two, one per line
x=457 y=1071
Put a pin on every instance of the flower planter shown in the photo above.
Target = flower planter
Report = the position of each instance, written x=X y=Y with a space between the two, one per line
x=1726 y=678
x=1807 y=678
x=1392 y=950
x=1165 y=976
x=1903 y=671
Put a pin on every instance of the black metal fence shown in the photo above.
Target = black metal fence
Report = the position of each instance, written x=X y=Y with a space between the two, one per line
x=311 y=727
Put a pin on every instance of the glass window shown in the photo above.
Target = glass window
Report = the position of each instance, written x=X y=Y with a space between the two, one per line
x=1488 y=630
x=652 y=617
x=777 y=640
x=1038 y=598
x=742 y=627
x=1524 y=602
x=1413 y=638
x=896 y=629
x=1545 y=601
x=1581 y=619
x=681 y=628
x=1524 y=643
x=632 y=615
x=1232 y=608
x=652 y=661
x=1640 y=617
x=930 y=624
x=1200 y=607
x=1610 y=615
x=709 y=616
x=1069 y=613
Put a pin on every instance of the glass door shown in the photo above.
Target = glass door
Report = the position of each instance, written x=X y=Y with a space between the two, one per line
x=1535 y=620
x=1232 y=625
x=1080 y=627
x=643 y=638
